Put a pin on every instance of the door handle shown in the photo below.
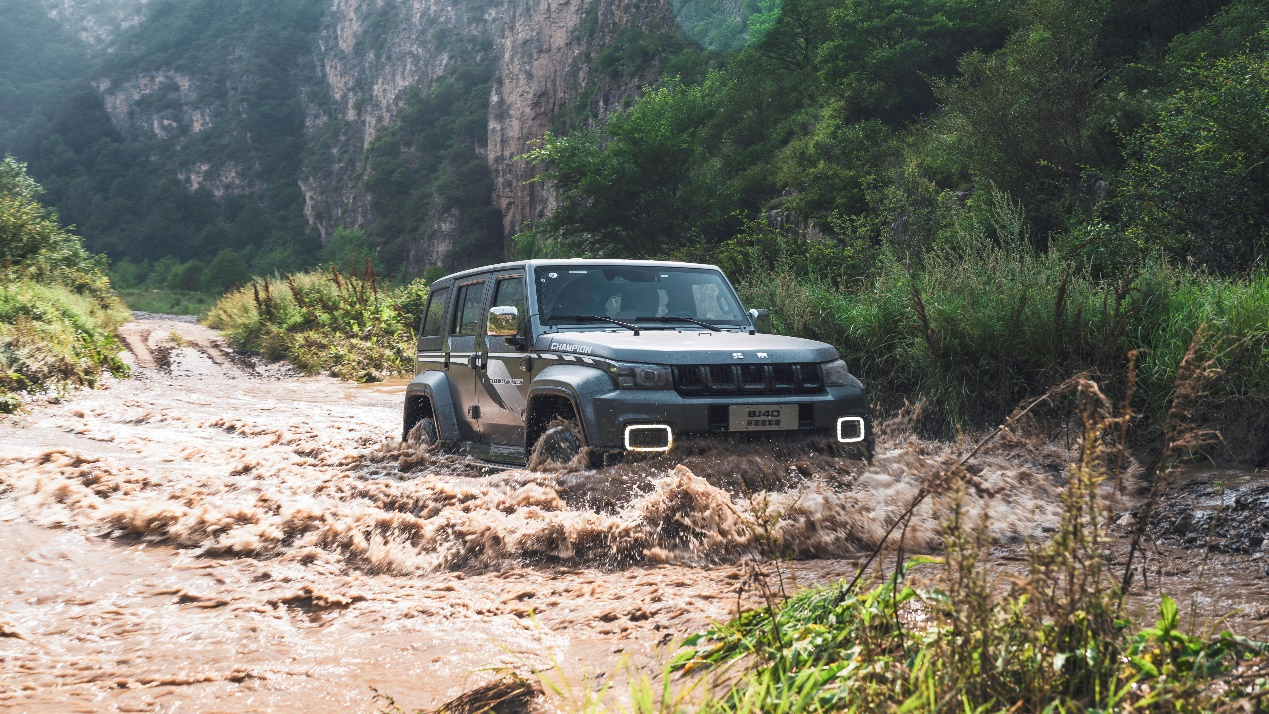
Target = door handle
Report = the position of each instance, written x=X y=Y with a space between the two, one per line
x=473 y=360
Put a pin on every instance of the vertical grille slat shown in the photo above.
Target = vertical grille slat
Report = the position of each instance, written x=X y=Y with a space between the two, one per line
x=719 y=379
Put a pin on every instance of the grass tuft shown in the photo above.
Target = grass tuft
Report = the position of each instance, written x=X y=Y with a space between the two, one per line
x=325 y=321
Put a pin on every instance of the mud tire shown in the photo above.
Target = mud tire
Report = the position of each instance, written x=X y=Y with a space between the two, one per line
x=560 y=445
x=423 y=434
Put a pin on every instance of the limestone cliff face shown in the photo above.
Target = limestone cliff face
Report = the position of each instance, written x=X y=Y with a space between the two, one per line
x=96 y=22
x=377 y=50
x=547 y=53
x=369 y=55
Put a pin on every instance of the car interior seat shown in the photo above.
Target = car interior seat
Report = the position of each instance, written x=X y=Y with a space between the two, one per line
x=639 y=300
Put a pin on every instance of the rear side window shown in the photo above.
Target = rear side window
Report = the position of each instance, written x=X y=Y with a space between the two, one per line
x=467 y=311
x=434 y=318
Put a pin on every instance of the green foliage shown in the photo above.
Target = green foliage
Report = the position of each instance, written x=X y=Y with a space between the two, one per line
x=226 y=271
x=349 y=250
x=725 y=26
x=1198 y=179
x=187 y=277
x=628 y=189
x=879 y=55
x=57 y=312
x=333 y=322
x=987 y=320
x=36 y=57
x=33 y=243
x=167 y=302
x=855 y=653
x=1020 y=116
x=244 y=62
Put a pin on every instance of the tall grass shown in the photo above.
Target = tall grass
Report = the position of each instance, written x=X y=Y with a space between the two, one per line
x=57 y=311
x=978 y=326
x=168 y=302
x=325 y=321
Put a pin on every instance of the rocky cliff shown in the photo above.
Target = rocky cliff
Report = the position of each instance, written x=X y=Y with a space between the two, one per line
x=96 y=22
x=372 y=53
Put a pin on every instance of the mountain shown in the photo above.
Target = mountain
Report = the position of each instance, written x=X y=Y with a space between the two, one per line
x=186 y=127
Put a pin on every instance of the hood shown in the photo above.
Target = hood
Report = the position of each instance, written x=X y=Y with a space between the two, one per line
x=687 y=347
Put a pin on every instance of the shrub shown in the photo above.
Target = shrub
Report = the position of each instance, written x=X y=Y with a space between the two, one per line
x=1054 y=638
x=325 y=321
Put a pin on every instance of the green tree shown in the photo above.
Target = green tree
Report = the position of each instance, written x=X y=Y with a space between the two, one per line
x=349 y=250
x=1020 y=117
x=879 y=54
x=33 y=243
x=188 y=276
x=630 y=187
x=1198 y=179
x=226 y=271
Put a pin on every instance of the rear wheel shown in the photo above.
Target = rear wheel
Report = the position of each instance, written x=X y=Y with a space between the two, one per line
x=423 y=434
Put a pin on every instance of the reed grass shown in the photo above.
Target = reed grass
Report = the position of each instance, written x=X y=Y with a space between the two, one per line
x=1055 y=638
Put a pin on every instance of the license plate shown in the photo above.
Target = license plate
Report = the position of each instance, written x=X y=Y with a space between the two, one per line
x=763 y=417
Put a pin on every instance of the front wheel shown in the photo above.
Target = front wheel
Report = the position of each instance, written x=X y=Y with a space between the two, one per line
x=558 y=447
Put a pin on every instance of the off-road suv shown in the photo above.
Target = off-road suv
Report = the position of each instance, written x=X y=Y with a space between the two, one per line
x=619 y=356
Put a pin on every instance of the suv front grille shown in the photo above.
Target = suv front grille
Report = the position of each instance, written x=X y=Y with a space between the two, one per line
x=711 y=379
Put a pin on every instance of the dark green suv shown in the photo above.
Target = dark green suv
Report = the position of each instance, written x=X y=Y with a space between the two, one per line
x=615 y=355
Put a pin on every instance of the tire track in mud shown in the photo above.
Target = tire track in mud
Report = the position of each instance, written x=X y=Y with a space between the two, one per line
x=221 y=533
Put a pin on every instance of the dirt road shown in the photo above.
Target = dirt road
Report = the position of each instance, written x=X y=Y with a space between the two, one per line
x=214 y=535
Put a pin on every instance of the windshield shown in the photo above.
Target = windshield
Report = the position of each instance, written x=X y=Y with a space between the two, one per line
x=636 y=294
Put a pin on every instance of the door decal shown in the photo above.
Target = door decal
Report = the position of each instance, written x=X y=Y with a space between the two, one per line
x=506 y=389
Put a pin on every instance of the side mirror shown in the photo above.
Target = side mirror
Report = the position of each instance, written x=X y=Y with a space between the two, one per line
x=761 y=320
x=504 y=321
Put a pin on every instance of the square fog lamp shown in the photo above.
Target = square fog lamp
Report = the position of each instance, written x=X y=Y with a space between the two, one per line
x=850 y=430
x=649 y=437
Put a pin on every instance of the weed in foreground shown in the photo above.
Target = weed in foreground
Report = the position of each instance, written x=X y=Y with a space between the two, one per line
x=1054 y=639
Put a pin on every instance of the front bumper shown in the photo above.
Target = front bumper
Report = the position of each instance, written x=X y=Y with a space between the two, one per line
x=615 y=410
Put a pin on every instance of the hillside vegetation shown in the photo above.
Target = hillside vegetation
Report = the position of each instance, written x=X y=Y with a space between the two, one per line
x=57 y=312
x=973 y=200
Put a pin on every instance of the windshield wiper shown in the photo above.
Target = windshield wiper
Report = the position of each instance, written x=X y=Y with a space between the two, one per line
x=594 y=318
x=676 y=318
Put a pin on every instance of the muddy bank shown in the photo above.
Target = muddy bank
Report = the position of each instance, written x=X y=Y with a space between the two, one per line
x=218 y=533
x=1219 y=510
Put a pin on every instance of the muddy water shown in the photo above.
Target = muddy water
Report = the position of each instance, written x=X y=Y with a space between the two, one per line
x=217 y=535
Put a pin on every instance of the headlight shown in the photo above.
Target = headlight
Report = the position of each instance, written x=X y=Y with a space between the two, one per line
x=836 y=375
x=641 y=376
